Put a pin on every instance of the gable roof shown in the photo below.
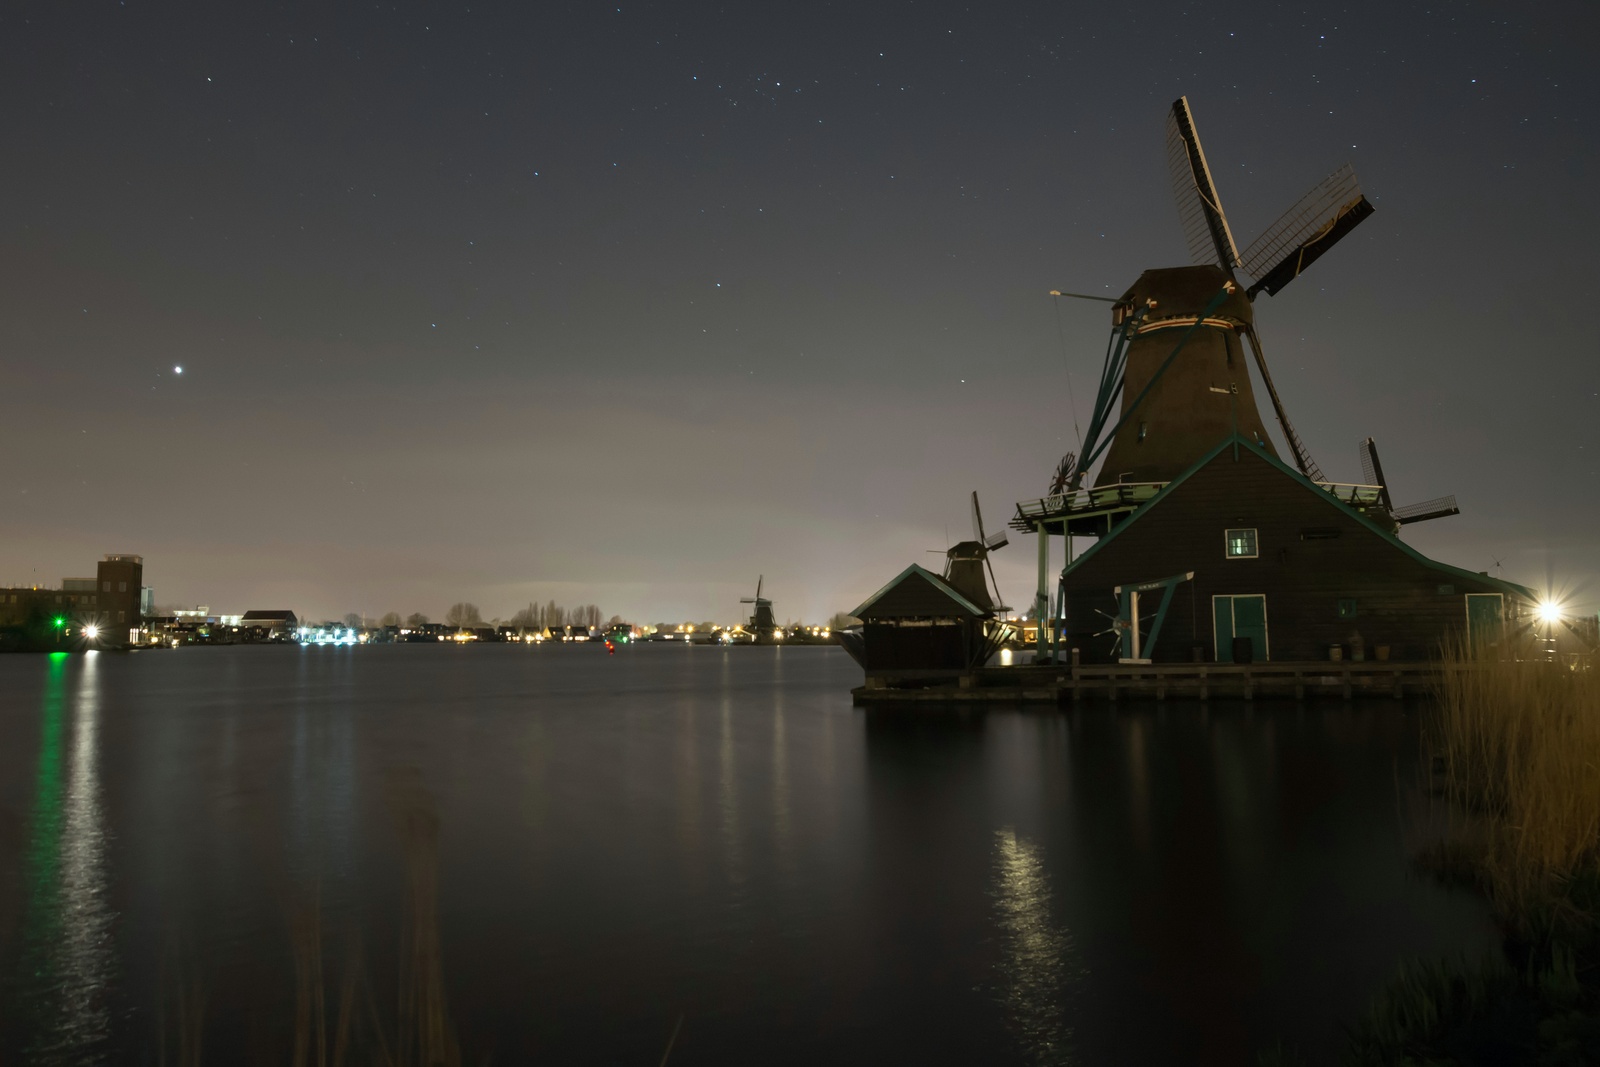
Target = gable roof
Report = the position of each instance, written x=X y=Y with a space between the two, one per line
x=266 y=616
x=1508 y=588
x=939 y=587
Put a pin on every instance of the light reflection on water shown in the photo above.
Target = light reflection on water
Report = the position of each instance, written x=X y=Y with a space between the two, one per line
x=709 y=833
x=67 y=942
x=1038 y=965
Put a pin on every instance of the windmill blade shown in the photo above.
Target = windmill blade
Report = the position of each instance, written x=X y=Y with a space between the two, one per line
x=759 y=579
x=1436 y=508
x=1302 y=458
x=747 y=600
x=1333 y=208
x=989 y=543
x=1374 y=473
x=1199 y=208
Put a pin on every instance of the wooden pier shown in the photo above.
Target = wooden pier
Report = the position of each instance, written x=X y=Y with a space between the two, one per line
x=1065 y=684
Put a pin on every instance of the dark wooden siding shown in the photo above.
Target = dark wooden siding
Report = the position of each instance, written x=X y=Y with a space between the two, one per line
x=914 y=597
x=1399 y=601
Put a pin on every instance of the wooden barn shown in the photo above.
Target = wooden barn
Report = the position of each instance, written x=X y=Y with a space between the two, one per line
x=1244 y=558
x=919 y=622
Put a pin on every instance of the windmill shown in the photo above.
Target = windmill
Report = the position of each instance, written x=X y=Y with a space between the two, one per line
x=761 y=621
x=1436 y=508
x=1176 y=358
x=966 y=562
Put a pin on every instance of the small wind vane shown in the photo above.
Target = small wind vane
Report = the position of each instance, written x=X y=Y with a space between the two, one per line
x=1063 y=475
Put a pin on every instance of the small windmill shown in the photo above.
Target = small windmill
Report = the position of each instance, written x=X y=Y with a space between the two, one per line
x=1437 y=508
x=761 y=622
x=967 y=561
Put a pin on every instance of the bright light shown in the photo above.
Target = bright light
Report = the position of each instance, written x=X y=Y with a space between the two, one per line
x=177 y=370
x=1549 y=611
x=91 y=631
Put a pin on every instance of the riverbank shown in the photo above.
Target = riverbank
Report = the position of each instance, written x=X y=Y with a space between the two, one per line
x=1515 y=749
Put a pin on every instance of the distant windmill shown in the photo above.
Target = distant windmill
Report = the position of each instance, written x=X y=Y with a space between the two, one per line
x=966 y=562
x=1437 y=508
x=761 y=622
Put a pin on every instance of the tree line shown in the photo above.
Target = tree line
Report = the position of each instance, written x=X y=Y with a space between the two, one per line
x=465 y=614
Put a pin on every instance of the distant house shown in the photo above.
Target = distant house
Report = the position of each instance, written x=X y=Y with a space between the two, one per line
x=276 y=623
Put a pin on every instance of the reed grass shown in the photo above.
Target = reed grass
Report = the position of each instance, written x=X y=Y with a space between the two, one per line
x=336 y=1015
x=1517 y=747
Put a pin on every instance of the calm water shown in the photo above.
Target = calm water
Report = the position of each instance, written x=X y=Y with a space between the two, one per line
x=602 y=850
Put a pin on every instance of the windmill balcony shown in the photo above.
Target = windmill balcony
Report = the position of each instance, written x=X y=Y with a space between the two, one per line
x=1087 y=510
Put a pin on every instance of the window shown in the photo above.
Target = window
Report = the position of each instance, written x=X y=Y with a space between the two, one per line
x=1347 y=608
x=1240 y=544
x=1143 y=429
x=107 y=588
x=122 y=587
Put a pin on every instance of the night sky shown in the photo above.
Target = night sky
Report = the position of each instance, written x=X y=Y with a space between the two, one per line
x=632 y=304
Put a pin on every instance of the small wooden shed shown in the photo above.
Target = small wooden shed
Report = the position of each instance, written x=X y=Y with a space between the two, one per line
x=918 y=622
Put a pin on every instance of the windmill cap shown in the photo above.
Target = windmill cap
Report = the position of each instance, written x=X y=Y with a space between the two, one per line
x=1185 y=291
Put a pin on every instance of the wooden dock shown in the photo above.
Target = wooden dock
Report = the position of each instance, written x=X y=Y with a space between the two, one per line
x=1065 y=684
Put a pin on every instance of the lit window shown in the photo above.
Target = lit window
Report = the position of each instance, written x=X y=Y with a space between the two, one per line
x=1240 y=544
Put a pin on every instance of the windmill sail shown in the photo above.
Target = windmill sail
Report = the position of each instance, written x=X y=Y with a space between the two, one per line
x=1436 y=508
x=1303 y=233
x=1372 y=468
x=1199 y=207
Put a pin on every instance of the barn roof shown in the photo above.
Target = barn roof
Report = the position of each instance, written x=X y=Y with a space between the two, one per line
x=917 y=592
x=278 y=615
x=1508 y=588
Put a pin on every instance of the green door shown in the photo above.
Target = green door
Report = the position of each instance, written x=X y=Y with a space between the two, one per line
x=1484 y=614
x=1240 y=616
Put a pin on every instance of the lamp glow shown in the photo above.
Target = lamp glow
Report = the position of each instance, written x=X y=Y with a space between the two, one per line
x=1549 y=611
x=91 y=631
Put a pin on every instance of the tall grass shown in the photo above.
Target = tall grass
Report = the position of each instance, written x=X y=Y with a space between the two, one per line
x=1518 y=751
x=340 y=1013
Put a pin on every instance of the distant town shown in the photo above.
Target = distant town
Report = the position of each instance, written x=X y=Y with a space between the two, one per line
x=115 y=610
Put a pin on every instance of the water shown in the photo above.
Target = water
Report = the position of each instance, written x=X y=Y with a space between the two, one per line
x=558 y=856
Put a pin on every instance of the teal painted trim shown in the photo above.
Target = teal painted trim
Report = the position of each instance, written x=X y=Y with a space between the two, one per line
x=1194 y=328
x=938 y=583
x=1510 y=588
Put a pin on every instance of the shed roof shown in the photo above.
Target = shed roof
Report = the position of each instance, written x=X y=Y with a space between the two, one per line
x=1508 y=588
x=917 y=592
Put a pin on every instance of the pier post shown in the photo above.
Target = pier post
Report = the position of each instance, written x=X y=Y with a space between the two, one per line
x=1041 y=598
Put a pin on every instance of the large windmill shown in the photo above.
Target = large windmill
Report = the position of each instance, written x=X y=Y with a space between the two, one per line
x=1175 y=380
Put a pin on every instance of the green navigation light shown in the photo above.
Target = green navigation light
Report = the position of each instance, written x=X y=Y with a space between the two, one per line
x=60 y=622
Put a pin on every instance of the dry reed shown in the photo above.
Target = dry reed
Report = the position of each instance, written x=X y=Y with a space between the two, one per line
x=1518 y=745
